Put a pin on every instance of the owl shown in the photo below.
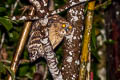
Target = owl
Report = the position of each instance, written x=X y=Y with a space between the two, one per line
x=44 y=38
x=57 y=26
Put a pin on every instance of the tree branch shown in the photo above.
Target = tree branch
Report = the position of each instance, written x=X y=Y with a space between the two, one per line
x=72 y=43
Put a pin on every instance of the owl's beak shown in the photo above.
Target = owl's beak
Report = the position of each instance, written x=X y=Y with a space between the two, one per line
x=65 y=28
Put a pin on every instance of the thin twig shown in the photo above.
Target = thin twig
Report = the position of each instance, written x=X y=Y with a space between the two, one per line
x=45 y=74
x=14 y=7
x=106 y=3
x=20 y=4
x=2 y=41
x=5 y=61
x=51 y=5
x=24 y=61
x=21 y=61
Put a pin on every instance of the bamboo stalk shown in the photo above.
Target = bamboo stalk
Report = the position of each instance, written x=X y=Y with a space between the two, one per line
x=86 y=41
x=21 y=45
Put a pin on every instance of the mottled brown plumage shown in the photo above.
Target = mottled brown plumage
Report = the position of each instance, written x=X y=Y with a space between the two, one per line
x=44 y=37
x=58 y=28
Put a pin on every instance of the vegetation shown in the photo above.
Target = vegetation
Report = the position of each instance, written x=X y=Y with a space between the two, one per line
x=104 y=41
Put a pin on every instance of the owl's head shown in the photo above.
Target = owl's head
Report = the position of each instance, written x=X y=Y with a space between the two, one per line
x=60 y=25
x=58 y=28
x=65 y=27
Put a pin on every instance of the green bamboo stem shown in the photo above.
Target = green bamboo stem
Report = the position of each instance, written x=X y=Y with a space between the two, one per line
x=86 y=41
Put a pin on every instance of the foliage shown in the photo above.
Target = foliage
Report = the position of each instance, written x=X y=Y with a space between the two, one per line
x=12 y=32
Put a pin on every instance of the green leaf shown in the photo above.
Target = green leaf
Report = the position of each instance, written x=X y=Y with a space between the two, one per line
x=93 y=44
x=110 y=41
x=23 y=69
x=95 y=54
x=93 y=37
x=10 y=1
x=10 y=71
x=6 y=23
x=4 y=67
x=25 y=54
x=28 y=75
x=2 y=9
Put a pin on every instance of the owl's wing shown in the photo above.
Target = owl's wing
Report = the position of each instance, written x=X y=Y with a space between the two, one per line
x=54 y=36
x=34 y=45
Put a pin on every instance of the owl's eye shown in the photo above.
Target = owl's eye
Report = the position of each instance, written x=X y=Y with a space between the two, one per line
x=63 y=25
x=70 y=27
